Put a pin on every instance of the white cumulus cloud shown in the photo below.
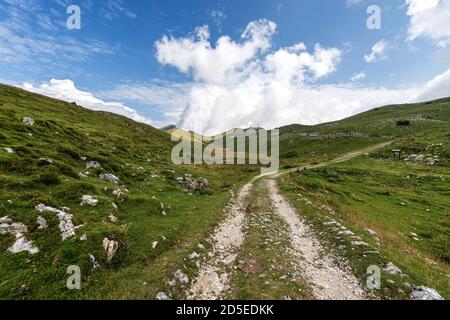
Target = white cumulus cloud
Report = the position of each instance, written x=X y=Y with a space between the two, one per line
x=238 y=84
x=429 y=19
x=213 y=64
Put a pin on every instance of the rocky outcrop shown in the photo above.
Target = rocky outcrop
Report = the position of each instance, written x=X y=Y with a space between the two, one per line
x=22 y=244
x=66 y=225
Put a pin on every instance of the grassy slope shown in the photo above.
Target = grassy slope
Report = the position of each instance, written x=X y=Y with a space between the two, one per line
x=373 y=126
x=140 y=156
x=394 y=198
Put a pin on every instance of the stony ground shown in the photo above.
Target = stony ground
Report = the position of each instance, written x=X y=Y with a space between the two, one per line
x=266 y=249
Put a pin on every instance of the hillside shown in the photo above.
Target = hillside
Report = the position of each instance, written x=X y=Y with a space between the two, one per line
x=149 y=214
x=430 y=119
x=99 y=191
x=400 y=208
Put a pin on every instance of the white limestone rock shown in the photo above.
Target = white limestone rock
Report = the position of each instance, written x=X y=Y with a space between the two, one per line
x=66 y=225
x=424 y=293
x=22 y=244
x=88 y=200
x=93 y=165
x=110 y=247
x=42 y=223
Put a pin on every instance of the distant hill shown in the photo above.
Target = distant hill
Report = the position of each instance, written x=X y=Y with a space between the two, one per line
x=428 y=119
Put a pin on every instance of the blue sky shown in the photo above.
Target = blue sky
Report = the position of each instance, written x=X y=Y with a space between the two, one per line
x=118 y=61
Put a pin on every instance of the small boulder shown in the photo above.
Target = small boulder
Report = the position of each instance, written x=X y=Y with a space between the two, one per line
x=94 y=262
x=9 y=150
x=93 y=165
x=44 y=161
x=110 y=247
x=112 y=218
x=109 y=177
x=88 y=200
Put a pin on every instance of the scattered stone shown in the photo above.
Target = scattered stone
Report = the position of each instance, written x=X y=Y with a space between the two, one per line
x=390 y=281
x=112 y=218
x=110 y=247
x=424 y=293
x=83 y=237
x=118 y=193
x=88 y=200
x=44 y=161
x=359 y=243
x=114 y=206
x=392 y=269
x=42 y=223
x=10 y=150
x=373 y=233
x=28 y=121
x=109 y=177
x=199 y=185
x=180 y=276
x=93 y=165
x=18 y=230
x=346 y=233
x=162 y=296
x=154 y=244
x=94 y=262
x=201 y=246
x=83 y=158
